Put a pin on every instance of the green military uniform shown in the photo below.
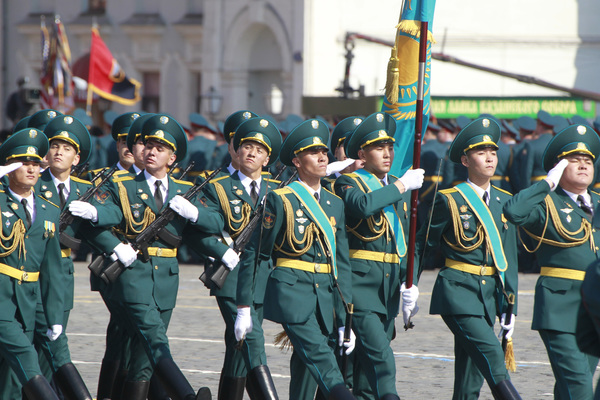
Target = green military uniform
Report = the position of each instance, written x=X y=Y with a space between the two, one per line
x=480 y=251
x=338 y=137
x=501 y=178
x=588 y=337
x=532 y=170
x=564 y=238
x=307 y=241
x=29 y=271
x=376 y=219
x=146 y=291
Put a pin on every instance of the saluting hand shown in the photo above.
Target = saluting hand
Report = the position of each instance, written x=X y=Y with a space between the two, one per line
x=5 y=169
x=556 y=172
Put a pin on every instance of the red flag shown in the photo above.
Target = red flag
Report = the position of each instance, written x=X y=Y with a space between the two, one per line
x=106 y=78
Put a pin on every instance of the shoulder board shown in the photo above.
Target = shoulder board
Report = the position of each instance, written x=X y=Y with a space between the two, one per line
x=502 y=190
x=448 y=191
x=219 y=178
x=393 y=176
x=330 y=192
x=95 y=171
x=123 y=178
x=2 y=191
x=183 y=182
x=351 y=174
x=265 y=173
x=272 y=180
x=74 y=178
x=282 y=191
x=43 y=198
x=120 y=172
x=595 y=192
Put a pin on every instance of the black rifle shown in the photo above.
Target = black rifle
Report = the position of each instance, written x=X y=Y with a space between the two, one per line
x=216 y=271
x=67 y=218
x=78 y=169
x=347 y=332
x=173 y=167
x=186 y=170
x=509 y=311
x=156 y=230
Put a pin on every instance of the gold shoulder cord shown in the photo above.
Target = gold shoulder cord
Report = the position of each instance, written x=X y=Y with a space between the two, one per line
x=378 y=228
x=16 y=238
x=289 y=236
x=551 y=212
x=459 y=231
x=243 y=220
x=131 y=228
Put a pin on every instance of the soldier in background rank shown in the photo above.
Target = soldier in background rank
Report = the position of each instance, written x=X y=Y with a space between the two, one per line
x=338 y=139
x=376 y=205
x=303 y=231
x=532 y=170
x=480 y=267
x=557 y=213
x=28 y=266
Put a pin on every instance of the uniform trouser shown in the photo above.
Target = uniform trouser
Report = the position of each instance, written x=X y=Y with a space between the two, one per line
x=52 y=354
x=573 y=370
x=238 y=363
x=315 y=347
x=478 y=355
x=148 y=327
x=18 y=359
x=118 y=338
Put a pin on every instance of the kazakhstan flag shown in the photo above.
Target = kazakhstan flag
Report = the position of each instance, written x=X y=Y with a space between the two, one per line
x=403 y=75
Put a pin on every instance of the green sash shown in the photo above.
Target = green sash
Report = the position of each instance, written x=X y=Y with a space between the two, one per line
x=373 y=183
x=318 y=216
x=487 y=221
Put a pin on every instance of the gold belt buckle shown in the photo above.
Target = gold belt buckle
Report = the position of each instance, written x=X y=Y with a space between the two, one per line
x=25 y=276
x=387 y=257
x=159 y=251
x=317 y=268
x=483 y=270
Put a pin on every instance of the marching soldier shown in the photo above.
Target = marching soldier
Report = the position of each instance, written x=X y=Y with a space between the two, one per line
x=257 y=143
x=303 y=231
x=28 y=272
x=480 y=267
x=337 y=146
x=146 y=291
x=376 y=205
x=557 y=214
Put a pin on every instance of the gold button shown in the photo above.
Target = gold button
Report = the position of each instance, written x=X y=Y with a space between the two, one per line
x=317 y=268
x=19 y=282
x=27 y=237
x=318 y=254
x=22 y=267
x=156 y=267
x=387 y=275
x=483 y=281
x=597 y=248
x=317 y=285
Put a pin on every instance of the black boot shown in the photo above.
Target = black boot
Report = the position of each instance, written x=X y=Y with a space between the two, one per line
x=38 y=388
x=341 y=392
x=135 y=390
x=157 y=390
x=176 y=384
x=119 y=385
x=260 y=384
x=505 y=390
x=106 y=380
x=71 y=384
x=232 y=388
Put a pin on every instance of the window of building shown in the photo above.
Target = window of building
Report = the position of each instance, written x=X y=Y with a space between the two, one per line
x=151 y=92
x=97 y=6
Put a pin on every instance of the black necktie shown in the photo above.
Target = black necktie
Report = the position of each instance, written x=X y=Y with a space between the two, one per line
x=27 y=214
x=61 y=195
x=485 y=198
x=587 y=209
x=382 y=182
x=158 y=198
x=253 y=192
x=316 y=194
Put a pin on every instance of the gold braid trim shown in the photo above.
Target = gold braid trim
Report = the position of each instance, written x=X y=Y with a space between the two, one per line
x=17 y=237
x=377 y=228
x=246 y=212
x=131 y=228
x=307 y=240
x=459 y=231
x=586 y=228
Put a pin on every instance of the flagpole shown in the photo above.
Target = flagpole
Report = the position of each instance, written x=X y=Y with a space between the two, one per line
x=417 y=152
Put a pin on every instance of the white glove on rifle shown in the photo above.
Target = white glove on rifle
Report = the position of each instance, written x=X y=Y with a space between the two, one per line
x=83 y=209
x=184 y=208
x=5 y=169
x=243 y=323
x=508 y=328
x=230 y=259
x=409 y=302
x=54 y=332
x=556 y=172
x=413 y=179
x=125 y=253
x=348 y=345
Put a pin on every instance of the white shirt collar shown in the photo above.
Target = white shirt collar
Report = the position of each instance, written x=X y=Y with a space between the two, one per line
x=586 y=197
x=30 y=203
x=57 y=182
x=480 y=191
x=246 y=182
x=120 y=166
x=311 y=190
x=136 y=169
x=151 y=179
x=230 y=169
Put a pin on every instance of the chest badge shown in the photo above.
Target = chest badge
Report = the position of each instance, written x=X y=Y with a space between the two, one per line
x=7 y=214
x=144 y=196
x=466 y=224
x=463 y=209
x=568 y=218
x=14 y=206
x=239 y=192
x=48 y=194
x=299 y=213
x=301 y=229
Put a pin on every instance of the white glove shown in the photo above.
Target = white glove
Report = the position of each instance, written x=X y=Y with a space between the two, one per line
x=243 y=323
x=230 y=259
x=83 y=210
x=338 y=166
x=5 y=169
x=125 y=253
x=184 y=208
x=556 y=172
x=409 y=302
x=413 y=179
x=54 y=332
x=348 y=345
x=509 y=328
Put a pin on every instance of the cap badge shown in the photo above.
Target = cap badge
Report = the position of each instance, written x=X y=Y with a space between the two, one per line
x=164 y=120
x=31 y=150
x=247 y=115
x=382 y=133
x=357 y=121
x=314 y=123
x=63 y=134
x=485 y=122
x=135 y=116
x=32 y=133
x=379 y=117
x=486 y=138
x=264 y=123
x=581 y=130
x=68 y=120
x=159 y=134
x=317 y=140
x=259 y=136
x=51 y=114
x=581 y=146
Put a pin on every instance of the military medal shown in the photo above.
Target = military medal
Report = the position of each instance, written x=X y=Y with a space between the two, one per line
x=45 y=234
x=466 y=224
x=48 y=194
x=504 y=220
x=236 y=209
x=14 y=206
x=239 y=192
x=299 y=213
x=136 y=214
x=332 y=221
x=405 y=209
x=463 y=209
x=7 y=223
x=301 y=229
x=144 y=196
x=568 y=218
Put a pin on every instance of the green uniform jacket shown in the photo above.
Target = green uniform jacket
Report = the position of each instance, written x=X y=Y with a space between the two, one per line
x=40 y=253
x=556 y=299
x=227 y=196
x=457 y=292
x=375 y=285
x=156 y=281
x=431 y=153
x=291 y=294
x=501 y=178
x=533 y=155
